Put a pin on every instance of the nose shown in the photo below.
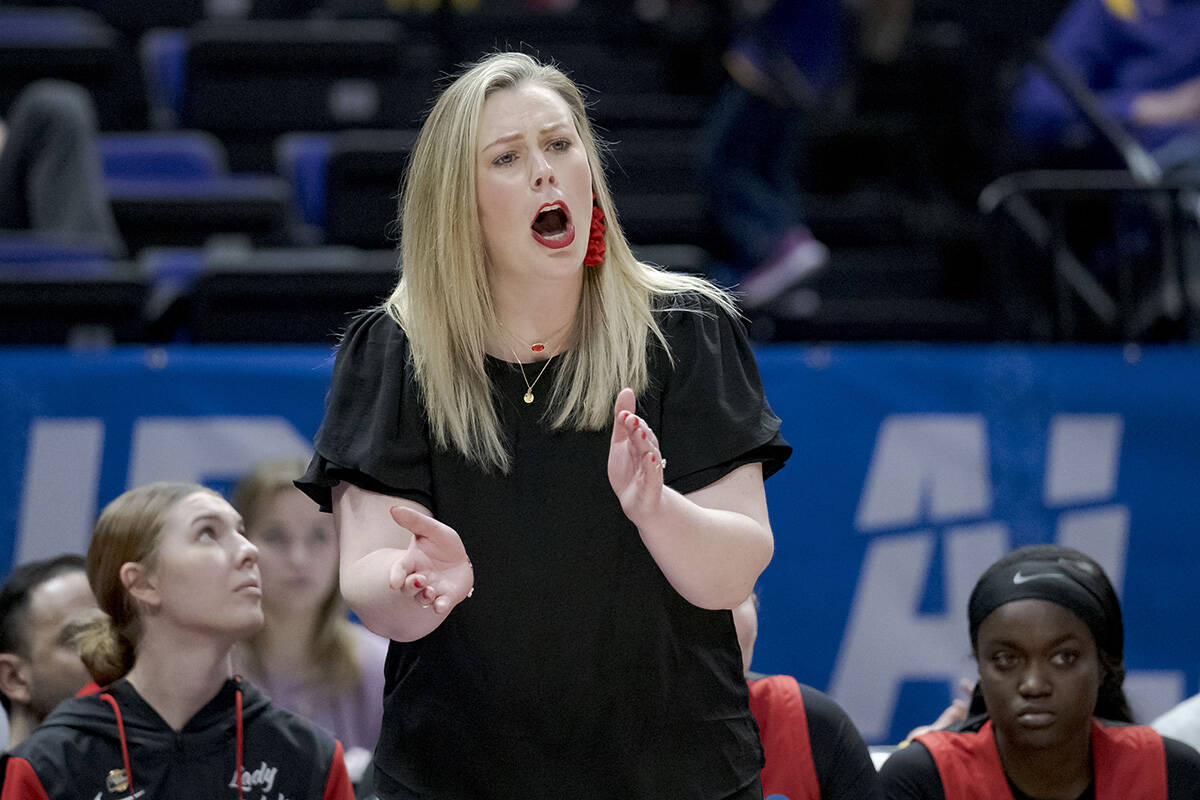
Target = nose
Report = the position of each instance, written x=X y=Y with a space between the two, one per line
x=246 y=552
x=542 y=171
x=298 y=552
x=1034 y=681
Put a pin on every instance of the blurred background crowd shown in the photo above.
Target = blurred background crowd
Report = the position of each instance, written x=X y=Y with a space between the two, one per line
x=930 y=170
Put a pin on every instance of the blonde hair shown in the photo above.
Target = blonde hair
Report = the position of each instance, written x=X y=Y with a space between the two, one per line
x=442 y=300
x=129 y=529
x=333 y=646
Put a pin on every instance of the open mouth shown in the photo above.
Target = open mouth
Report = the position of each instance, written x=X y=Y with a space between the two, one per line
x=552 y=226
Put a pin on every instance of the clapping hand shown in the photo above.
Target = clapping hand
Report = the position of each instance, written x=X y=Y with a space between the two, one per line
x=635 y=464
x=434 y=571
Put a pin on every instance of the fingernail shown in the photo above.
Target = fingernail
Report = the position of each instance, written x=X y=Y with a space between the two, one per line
x=643 y=434
x=653 y=459
x=636 y=422
x=416 y=583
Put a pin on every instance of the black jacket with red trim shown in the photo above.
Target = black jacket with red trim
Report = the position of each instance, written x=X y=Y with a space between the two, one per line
x=85 y=750
x=975 y=771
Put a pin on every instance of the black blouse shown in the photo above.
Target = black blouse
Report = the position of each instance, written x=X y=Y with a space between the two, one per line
x=575 y=670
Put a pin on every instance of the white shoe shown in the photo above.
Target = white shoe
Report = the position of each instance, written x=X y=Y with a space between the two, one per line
x=801 y=258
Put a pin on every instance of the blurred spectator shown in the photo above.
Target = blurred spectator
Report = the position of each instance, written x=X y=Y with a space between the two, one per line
x=783 y=69
x=1141 y=58
x=51 y=175
x=1049 y=717
x=39 y=668
x=812 y=749
x=1182 y=722
x=308 y=656
x=179 y=586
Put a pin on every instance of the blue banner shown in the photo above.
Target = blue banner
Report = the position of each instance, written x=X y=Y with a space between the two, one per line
x=914 y=468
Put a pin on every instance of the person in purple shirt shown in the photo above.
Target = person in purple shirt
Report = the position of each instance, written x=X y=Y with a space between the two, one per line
x=1141 y=59
x=308 y=657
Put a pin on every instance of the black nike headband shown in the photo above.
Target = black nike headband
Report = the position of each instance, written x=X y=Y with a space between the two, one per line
x=1060 y=575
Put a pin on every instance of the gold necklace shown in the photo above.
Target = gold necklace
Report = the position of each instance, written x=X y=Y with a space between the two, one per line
x=528 y=398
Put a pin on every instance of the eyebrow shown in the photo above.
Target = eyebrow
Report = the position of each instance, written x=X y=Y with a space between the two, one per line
x=512 y=137
x=1066 y=637
x=210 y=516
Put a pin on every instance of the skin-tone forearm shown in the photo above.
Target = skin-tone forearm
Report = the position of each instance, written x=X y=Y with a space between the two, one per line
x=401 y=586
x=711 y=544
x=712 y=556
x=1172 y=106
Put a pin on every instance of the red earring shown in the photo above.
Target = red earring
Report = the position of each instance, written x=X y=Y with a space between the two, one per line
x=595 y=249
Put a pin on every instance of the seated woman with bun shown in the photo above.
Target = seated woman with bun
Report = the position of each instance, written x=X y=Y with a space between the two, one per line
x=179 y=584
x=1050 y=720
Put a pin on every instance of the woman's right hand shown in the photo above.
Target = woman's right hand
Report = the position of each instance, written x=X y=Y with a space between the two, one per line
x=434 y=571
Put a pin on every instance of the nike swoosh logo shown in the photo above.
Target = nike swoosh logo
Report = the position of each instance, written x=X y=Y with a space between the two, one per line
x=1019 y=578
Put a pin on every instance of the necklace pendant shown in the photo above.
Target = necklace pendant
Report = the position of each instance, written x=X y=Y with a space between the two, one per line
x=537 y=347
x=528 y=397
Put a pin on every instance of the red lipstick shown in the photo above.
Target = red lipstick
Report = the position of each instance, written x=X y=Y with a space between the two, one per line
x=552 y=226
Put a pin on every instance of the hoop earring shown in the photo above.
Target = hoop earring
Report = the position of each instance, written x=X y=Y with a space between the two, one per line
x=596 y=247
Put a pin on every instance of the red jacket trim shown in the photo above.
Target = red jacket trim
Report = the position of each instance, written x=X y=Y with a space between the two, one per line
x=1128 y=762
x=778 y=706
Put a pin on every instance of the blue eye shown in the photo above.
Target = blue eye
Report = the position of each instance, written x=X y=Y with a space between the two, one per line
x=504 y=159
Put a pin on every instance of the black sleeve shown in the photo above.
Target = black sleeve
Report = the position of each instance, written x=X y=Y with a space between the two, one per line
x=843 y=763
x=911 y=774
x=715 y=416
x=374 y=434
x=1183 y=770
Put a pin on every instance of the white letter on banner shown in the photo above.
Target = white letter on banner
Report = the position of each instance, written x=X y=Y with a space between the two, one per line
x=1082 y=458
x=199 y=448
x=888 y=641
x=1102 y=533
x=926 y=468
x=62 y=476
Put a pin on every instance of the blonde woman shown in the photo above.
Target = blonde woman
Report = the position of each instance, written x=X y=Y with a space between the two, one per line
x=179 y=585
x=308 y=657
x=501 y=430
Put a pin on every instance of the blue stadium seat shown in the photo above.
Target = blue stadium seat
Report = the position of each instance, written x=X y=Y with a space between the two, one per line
x=173 y=188
x=163 y=53
x=33 y=253
x=56 y=291
x=233 y=292
x=162 y=155
x=347 y=183
x=250 y=82
x=301 y=159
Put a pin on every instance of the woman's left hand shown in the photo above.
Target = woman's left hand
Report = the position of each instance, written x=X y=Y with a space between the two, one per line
x=635 y=464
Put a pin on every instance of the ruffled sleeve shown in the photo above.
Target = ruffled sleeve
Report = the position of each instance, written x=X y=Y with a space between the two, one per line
x=715 y=415
x=374 y=434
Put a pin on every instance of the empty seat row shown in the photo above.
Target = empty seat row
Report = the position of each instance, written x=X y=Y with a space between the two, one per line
x=250 y=80
x=175 y=188
x=229 y=291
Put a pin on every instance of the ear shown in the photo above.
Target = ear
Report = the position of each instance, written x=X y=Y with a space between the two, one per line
x=139 y=583
x=14 y=678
